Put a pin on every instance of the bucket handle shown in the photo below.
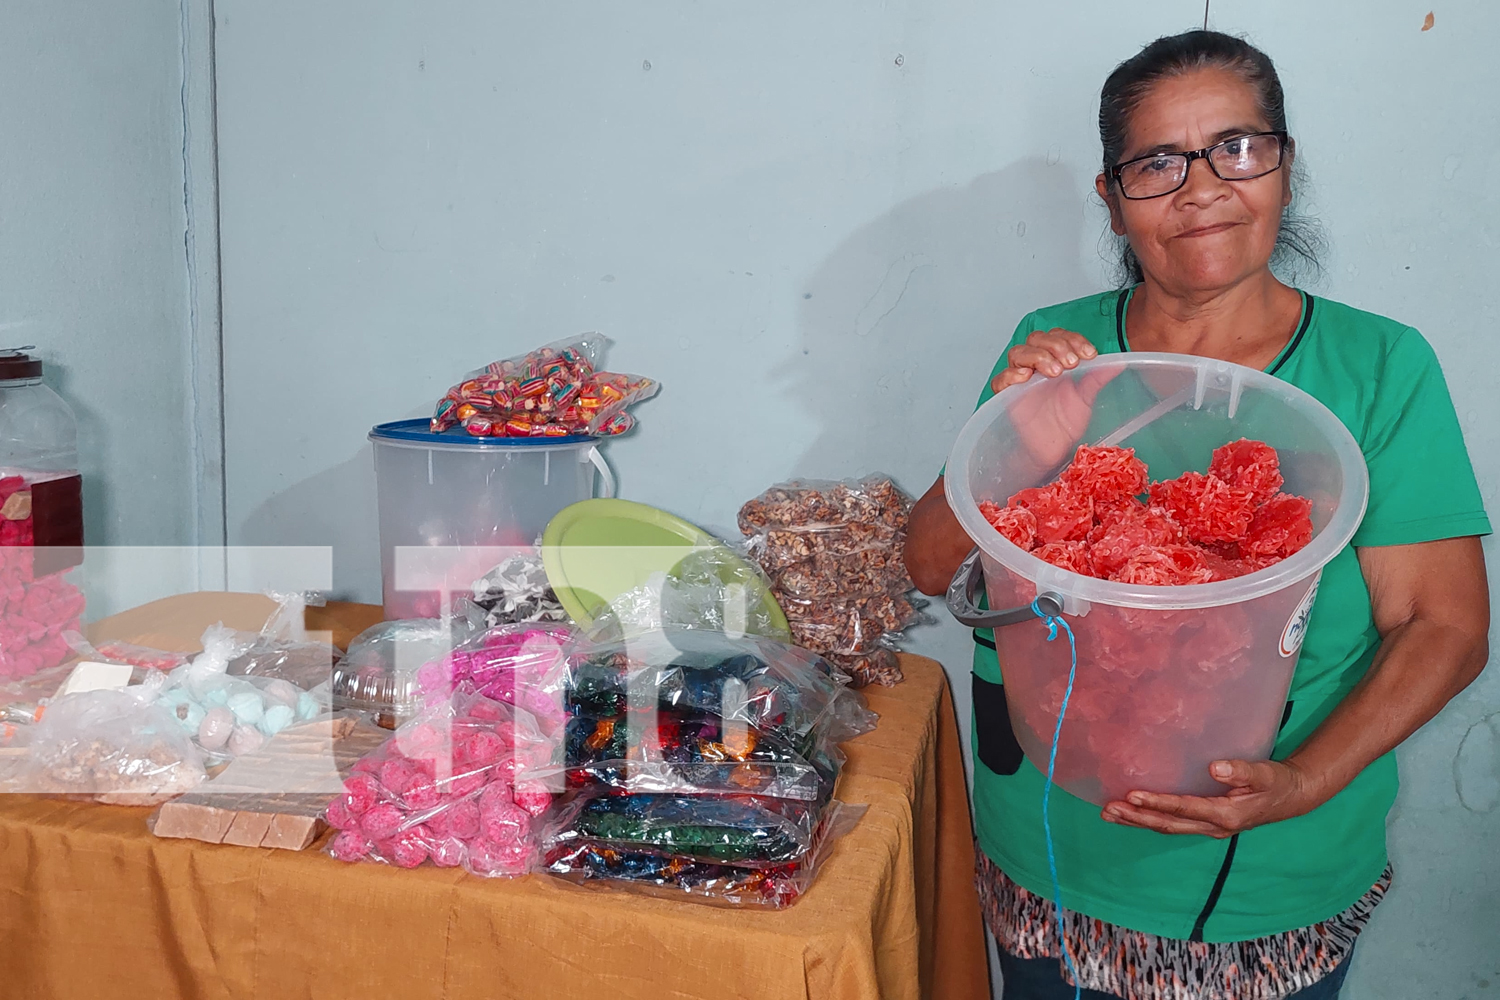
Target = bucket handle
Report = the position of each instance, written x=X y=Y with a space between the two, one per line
x=963 y=597
x=607 y=490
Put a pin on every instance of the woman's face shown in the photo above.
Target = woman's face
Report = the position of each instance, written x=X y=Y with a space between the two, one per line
x=1210 y=233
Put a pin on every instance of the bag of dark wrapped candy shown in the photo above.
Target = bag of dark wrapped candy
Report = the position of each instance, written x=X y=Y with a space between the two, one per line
x=554 y=391
x=834 y=553
x=775 y=687
x=641 y=866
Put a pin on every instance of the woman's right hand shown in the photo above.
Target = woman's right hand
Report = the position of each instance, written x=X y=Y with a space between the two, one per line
x=1050 y=353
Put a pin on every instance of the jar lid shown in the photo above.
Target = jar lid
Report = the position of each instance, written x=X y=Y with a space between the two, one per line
x=15 y=363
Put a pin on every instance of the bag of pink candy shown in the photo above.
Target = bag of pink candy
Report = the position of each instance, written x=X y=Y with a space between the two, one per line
x=522 y=665
x=555 y=391
x=443 y=789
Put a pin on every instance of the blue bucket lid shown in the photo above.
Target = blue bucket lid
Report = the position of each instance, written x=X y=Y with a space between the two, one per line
x=418 y=431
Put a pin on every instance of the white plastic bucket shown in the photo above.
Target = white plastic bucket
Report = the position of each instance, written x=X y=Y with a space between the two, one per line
x=1169 y=678
x=453 y=489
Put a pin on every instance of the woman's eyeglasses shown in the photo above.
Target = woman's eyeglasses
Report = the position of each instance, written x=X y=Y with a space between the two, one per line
x=1243 y=158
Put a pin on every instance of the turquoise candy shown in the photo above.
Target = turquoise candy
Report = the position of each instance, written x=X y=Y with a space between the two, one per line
x=191 y=716
x=277 y=718
x=307 y=707
x=216 y=696
x=247 y=707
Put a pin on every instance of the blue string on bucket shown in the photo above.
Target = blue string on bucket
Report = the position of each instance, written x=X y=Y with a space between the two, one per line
x=1052 y=622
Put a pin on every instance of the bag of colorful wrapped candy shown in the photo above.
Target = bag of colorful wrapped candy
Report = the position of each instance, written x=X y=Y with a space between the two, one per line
x=749 y=831
x=444 y=789
x=675 y=875
x=834 y=554
x=117 y=747
x=554 y=391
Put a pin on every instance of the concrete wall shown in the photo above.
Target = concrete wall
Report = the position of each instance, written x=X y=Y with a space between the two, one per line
x=93 y=260
x=816 y=224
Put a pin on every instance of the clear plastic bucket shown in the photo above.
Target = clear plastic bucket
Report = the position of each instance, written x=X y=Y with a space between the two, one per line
x=1169 y=679
x=455 y=490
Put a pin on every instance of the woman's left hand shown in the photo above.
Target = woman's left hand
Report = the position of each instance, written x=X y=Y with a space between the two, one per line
x=1260 y=792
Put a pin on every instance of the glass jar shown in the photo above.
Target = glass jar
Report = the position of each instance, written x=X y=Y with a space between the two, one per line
x=41 y=519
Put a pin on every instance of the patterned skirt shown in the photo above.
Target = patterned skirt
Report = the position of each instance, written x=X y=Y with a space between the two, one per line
x=1138 y=966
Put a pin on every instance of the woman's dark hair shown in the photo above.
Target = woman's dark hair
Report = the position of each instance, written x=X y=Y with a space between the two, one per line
x=1300 y=241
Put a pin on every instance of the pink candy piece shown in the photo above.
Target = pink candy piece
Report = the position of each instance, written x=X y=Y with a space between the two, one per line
x=360 y=792
x=381 y=821
x=349 y=845
x=447 y=852
x=532 y=796
x=338 y=814
x=419 y=797
x=462 y=819
x=409 y=848
x=503 y=823
x=397 y=775
x=464 y=785
x=422 y=737
x=485 y=712
x=483 y=747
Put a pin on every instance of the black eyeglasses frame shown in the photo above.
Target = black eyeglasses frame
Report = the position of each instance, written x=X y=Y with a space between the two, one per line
x=1202 y=154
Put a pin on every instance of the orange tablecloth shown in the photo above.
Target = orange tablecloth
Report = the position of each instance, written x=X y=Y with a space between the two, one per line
x=92 y=905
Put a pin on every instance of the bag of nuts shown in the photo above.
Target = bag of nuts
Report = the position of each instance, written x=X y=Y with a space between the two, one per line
x=833 y=552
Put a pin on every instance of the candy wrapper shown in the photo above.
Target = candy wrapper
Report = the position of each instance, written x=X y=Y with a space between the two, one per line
x=117 y=747
x=444 y=789
x=517 y=591
x=520 y=665
x=663 y=874
x=743 y=830
x=834 y=554
x=555 y=391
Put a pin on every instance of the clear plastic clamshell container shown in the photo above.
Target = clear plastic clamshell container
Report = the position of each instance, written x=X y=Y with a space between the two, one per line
x=1169 y=679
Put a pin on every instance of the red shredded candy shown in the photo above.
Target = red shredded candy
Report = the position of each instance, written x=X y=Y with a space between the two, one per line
x=1017 y=524
x=1106 y=473
x=1072 y=556
x=1062 y=514
x=1209 y=509
x=1197 y=528
x=1250 y=465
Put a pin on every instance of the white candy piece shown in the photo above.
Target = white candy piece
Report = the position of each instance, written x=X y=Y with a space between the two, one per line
x=214 y=731
x=245 y=739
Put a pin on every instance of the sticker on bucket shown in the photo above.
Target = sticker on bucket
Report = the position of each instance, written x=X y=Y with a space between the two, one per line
x=1296 y=626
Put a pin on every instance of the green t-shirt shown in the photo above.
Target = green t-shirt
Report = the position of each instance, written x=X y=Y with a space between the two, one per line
x=1383 y=381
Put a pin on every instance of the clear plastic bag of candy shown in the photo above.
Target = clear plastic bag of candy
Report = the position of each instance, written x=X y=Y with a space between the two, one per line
x=743 y=830
x=35 y=610
x=524 y=665
x=691 y=753
x=554 y=391
x=282 y=651
x=875 y=501
x=780 y=689
x=851 y=626
x=444 y=790
x=661 y=873
x=117 y=747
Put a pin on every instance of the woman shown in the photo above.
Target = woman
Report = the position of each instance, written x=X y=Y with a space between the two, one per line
x=1257 y=893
